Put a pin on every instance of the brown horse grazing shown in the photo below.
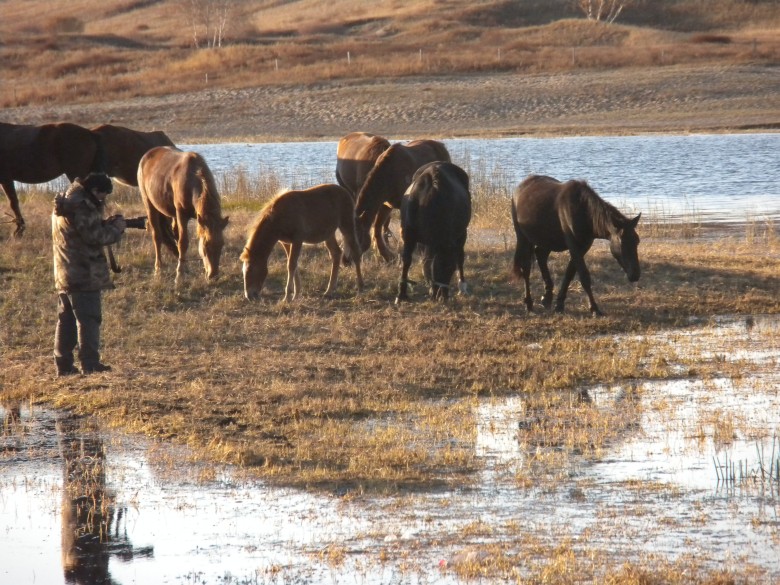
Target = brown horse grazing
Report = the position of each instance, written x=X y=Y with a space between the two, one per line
x=388 y=180
x=123 y=149
x=179 y=185
x=356 y=154
x=38 y=154
x=550 y=216
x=294 y=218
x=435 y=215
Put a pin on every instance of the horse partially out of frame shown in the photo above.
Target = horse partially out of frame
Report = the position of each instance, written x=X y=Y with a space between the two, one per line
x=39 y=154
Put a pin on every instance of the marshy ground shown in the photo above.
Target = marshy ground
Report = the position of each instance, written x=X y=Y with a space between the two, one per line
x=423 y=413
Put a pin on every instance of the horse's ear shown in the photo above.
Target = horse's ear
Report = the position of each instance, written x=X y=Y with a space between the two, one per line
x=225 y=222
x=633 y=223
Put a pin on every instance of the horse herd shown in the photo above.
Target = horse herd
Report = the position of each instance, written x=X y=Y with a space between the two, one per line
x=373 y=176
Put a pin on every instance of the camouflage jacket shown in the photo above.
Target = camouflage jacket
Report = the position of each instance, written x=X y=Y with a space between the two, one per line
x=79 y=234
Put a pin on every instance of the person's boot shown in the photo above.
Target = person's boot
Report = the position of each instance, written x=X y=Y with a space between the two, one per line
x=65 y=367
x=95 y=368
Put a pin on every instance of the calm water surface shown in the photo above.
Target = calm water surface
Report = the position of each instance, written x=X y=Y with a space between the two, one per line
x=723 y=177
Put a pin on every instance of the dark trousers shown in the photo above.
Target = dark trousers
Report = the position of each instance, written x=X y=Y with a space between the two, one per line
x=78 y=323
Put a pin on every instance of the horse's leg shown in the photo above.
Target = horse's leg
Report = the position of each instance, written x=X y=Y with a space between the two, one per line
x=585 y=281
x=13 y=200
x=568 y=276
x=427 y=263
x=155 y=225
x=381 y=221
x=293 y=253
x=542 y=255
x=183 y=243
x=461 y=256
x=353 y=248
x=335 y=258
x=522 y=267
x=406 y=260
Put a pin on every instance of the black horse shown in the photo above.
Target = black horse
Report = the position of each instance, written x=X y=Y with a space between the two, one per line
x=551 y=216
x=435 y=214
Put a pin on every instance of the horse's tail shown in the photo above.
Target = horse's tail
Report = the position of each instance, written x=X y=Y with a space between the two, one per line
x=169 y=234
x=351 y=251
x=209 y=208
x=517 y=266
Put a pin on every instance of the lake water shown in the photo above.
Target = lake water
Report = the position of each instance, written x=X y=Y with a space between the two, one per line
x=723 y=177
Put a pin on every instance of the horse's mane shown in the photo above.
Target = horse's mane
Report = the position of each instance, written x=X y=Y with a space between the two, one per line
x=604 y=215
x=210 y=204
x=378 y=168
x=266 y=216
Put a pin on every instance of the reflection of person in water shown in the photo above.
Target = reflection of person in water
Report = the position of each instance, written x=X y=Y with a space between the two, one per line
x=88 y=509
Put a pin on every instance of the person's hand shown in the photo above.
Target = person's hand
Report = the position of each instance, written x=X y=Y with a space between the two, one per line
x=118 y=222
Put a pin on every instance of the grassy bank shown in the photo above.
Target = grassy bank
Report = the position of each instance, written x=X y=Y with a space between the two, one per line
x=354 y=390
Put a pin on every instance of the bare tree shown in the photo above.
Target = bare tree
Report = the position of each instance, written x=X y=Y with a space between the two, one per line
x=209 y=20
x=603 y=10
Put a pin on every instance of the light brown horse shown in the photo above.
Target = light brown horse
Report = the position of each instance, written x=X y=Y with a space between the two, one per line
x=356 y=154
x=38 y=154
x=387 y=181
x=179 y=185
x=294 y=218
x=123 y=149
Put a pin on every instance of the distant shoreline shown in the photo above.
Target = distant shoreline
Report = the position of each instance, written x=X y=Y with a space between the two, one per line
x=660 y=100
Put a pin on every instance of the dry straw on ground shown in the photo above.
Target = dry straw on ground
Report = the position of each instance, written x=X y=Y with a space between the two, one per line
x=355 y=390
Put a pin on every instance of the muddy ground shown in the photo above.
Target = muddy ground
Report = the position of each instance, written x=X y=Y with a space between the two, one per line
x=662 y=99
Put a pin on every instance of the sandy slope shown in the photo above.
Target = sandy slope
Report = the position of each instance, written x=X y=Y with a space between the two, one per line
x=663 y=99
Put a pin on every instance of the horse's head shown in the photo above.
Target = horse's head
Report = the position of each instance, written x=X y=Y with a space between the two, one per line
x=443 y=268
x=255 y=271
x=210 y=244
x=623 y=244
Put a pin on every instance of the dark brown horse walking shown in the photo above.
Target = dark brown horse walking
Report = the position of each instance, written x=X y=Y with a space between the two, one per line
x=176 y=187
x=435 y=216
x=294 y=218
x=550 y=216
x=38 y=154
x=123 y=149
x=387 y=181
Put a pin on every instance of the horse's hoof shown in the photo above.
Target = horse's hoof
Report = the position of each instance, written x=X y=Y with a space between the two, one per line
x=463 y=288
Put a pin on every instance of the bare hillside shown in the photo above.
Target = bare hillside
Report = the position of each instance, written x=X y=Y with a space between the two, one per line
x=320 y=68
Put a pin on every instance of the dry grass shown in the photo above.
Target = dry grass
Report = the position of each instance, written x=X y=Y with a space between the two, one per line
x=354 y=390
x=137 y=49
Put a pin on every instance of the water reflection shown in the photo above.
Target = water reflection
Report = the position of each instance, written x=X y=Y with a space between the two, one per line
x=91 y=520
x=625 y=468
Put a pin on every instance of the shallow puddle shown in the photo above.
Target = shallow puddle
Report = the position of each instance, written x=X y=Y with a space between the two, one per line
x=678 y=468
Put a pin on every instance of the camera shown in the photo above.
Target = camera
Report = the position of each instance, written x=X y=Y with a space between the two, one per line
x=138 y=223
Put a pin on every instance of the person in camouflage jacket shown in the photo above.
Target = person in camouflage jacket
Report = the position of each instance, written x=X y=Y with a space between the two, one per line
x=79 y=234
